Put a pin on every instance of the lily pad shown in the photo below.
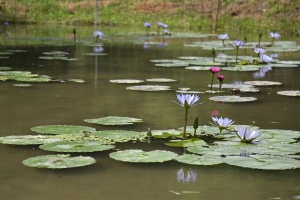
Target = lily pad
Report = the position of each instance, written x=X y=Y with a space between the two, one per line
x=282 y=65
x=186 y=143
x=28 y=139
x=262 y=83
x=266 y=162
x=232 y=99
x=114 y=120
x=178 y=64
x=95 y=54
x=293 y=93
x=22 y=85
x=119 y=134
x=58 y=161
x=244 y=68
x=198 y=68
x=77 y=80
x=56 y=53
x=215 y=150
x=193 y=159
x=149 y=88
x=5 y=68
x=161 y=80
x=61 y=129
x=140 y=156
x=129 y=81
x=76 y=146
x=166 y=133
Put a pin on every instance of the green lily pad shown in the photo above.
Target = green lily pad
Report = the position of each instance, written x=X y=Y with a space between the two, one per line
x=186 y=143
x=193 y=159
x=232 y=98
x=28 y=139
x=16 y=51
x=149 y=88
x=292 y=93
x=129 y=81
x=293 y=62
x=262 y=83
x=232 y=86
x=6 y=53
x=244 y=68
x=33 y=79
x=266 y=162
x=114 y=120
x=215 y=150
x=178 y=64
x=5 y=68
x=52 y=57
x=77 y=80
x=282 y=65
x=189 y=92
x=160 y=80
x=118 y=134
x=76 y=146
x=166 y=61
x=140 y=156
x=166 y=133
x=58 y=161
x=94 y=54
x=198 y=68
x=202 y=130
x=22 y=85
x=61 y=129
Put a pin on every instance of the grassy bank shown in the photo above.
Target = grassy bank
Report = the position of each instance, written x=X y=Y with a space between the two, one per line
x=246 y=15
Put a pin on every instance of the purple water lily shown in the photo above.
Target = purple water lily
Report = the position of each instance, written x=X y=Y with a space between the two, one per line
x=237 y=44
x=247 y=135
x=265 y=58
x=223 y=37
x=222 y=123
x=97 y=35
x=274 y=36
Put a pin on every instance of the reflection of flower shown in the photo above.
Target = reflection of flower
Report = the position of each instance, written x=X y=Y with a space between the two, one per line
x=186 y=101
x=214 y=112
x=237 y=44
x=265 y=58
x=6 y=23
x=262 y=72
x=221 y=79
x=98 y=49
x=189 y=176
x=222 y=123
x=146 y=45
x=223 y=37
x=274 y=55
x=213 y=70
x=247 y=135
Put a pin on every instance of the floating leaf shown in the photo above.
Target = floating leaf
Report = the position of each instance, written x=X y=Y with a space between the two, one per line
x=266 y=162
x=140 y=156
x=95 y=54
x=33 y=79
x=149 y=88
x=114 y=120
x=215 y=150
x=262 y=83
x=56 y=53
x=76 y=146
x=62 y=129
x=293 y=93
x=232 y=98
x=182 y=64
x=189 y=92
x=77 y=80
x=22 y=85
x=193 y=159
x=16 y=51
x=160 y=80
x=58 y=161
x=5 y=68
x=126 y=81
x=166 y=133
x=119 y=134
x=186 y=143
x=241 y=68
x=198 y=68
x=28 y=139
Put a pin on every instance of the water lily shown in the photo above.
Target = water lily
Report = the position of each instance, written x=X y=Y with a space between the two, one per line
x=237 y=44
x=223 y=37
x=147 y=25
x=222 y=123
x=98 y=34
x=186 y=101
x=213 y=70
x=265 y=58
x=247 y=135
x=161 y=25
x=274 y=36
x=259 y=50
x=221 y=79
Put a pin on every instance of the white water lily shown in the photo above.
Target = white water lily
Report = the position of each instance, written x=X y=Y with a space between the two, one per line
x=187 y=100
x=222 y=123
x=247 y=135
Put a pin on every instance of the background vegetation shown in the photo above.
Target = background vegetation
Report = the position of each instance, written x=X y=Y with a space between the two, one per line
x=240 y=15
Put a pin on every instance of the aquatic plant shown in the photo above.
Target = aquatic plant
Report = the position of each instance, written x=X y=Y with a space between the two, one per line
x=265 y=58
x=237 y=44
x=274 y=36
x=222 y=123
x=247 y=135
x=223 y=37
x=259 y=51
x=147 y=25
x=213 y=70
x=259 y=38
x=161 y=25
x=97 y=35
x=186 y=101
x=213 y=52
x=221 y=79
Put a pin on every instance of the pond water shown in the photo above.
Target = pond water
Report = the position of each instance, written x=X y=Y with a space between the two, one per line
x=69 y=103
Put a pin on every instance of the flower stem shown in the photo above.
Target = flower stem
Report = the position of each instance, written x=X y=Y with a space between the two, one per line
x=220 y=85
x=212 y=80
x=236 y=55
x=185 y=123
x=223 y=43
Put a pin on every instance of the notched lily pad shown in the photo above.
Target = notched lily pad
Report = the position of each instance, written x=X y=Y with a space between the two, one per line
x=149 y=88
x=232 y=99
x=193 y=159
x=140 y=156
x=76 y=146
x=129 y=81
x=114 y=120
x=293 y=93
x=262 y=83
x=161 y=80
x=58 y=161
x=186 y=143
x=61 y=129
x=28 y=139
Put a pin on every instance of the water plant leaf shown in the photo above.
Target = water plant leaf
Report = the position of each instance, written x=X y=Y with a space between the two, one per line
x=32 y=79
x=282 y=65
x=293 y=93
x=94 y=54
x=232 y=98
x=76 y=146
x=76 y=80
x=215 y=150
x=28 y=139
x=178 y=64
x=232 y=86
x=244 y=68
x=193 y=159
x=22 y=85
x=16 y=50
x=58 y=161
x=5 y=68
x=166 y=133
x=265 y=162
x=119 y=134
x=160 y=80
x=140 y=156
x=62 y=129
x=262 y=83
x=56 y=53
x=129 y=81
x=114 y=120
x=149 y=88
x=198 y=68
x=189 y=92
x=186 y=143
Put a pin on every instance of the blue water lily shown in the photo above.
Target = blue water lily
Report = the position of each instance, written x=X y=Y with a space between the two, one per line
x=97 y=35
x=237 y=44
x=222 y=123
x=265 y=58
x=223 y=37
x=247 y=135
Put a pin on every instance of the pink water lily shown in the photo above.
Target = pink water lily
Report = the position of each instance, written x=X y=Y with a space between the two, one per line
x=247 y=135
x=214 y=70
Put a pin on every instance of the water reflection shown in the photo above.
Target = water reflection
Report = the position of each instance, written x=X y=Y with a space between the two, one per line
x=186 y=176
x=262 y=72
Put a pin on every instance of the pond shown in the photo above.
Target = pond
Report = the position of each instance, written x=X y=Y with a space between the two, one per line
x=64 y=102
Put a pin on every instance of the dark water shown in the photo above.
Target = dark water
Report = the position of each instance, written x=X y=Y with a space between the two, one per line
x=70 y=103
